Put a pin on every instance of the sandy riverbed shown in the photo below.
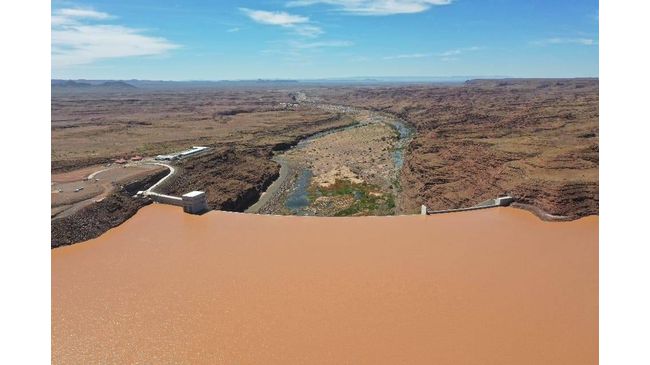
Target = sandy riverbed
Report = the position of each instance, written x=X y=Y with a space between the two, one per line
x=351 y=171
x=496 y=286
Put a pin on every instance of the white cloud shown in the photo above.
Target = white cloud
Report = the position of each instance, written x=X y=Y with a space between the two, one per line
x=581 y=41
x=82 y=13
x=77 y=39
x=308 y=30
x=448 y=55
x=280 y=18
x=232 y=30
x=312 y=45
x=297 y=23
x=410 y=55
x=451 y=52
x=74 y=15
x=296 y=47
x=375 y=7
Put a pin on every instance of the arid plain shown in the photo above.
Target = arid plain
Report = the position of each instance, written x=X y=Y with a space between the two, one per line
x=315 y=250
x=536 y=140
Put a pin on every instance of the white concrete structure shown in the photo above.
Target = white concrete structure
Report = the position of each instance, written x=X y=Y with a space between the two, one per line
x=491 y=203
x=166 y=199
x=182 y=154
x=195 y=202
x=192 y=151
x=504 y=200
x=171 y=172
x=166 y=157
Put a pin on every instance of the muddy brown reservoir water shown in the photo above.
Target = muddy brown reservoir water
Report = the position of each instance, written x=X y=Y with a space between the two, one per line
x=494 y=286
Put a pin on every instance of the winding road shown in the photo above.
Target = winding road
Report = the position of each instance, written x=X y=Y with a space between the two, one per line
x=172 y=171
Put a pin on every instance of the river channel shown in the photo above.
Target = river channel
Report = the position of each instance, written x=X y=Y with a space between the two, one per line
x=347 y=171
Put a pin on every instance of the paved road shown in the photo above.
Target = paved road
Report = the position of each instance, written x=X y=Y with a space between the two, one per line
x=172 y=170
x=92 y=176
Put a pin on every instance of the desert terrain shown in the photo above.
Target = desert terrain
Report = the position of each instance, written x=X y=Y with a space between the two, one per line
x=242 y=129
x=72 y=191
x=349 y=171
x=334 y=151
x=150 y=283
x=534 y=139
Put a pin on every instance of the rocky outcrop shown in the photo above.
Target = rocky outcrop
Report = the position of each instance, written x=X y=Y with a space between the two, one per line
x=232 y=178
x=95 y=219
x=536 y=140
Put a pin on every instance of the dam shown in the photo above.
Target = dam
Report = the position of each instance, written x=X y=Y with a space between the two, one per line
x=194 y=202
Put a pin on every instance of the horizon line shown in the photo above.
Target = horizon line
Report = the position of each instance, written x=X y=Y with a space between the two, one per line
x=342 y=78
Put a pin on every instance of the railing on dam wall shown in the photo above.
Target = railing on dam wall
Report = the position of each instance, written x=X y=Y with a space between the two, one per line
x=166 y=199
x=497 y=202
x=194 y=202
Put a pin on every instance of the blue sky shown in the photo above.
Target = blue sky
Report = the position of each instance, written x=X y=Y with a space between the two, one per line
x=298 y=39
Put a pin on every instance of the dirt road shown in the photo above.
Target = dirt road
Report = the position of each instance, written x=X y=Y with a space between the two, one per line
x=74 y=190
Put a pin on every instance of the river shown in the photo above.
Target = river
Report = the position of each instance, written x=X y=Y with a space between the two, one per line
x=370 y=152
x=495 y=286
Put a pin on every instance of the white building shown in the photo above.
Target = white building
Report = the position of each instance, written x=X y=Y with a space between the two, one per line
x=178 y=155
x=195 y=202
x=504 y=200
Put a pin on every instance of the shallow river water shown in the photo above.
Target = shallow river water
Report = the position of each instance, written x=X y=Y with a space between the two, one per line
x=298 y=199
x=494 y=286
x=298 y=177
x=405 y=135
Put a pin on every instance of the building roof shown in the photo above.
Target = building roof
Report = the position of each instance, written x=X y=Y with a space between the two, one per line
x=193 y=194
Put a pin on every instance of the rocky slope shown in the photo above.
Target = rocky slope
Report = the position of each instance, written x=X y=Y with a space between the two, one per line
x=97 y=218
x=233 y=178
x=235 y=175
x=534 y=139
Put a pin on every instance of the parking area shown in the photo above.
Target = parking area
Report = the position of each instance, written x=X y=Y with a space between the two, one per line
x=73 y=190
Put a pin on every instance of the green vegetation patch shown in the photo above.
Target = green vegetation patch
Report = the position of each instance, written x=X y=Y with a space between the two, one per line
x=366 y=199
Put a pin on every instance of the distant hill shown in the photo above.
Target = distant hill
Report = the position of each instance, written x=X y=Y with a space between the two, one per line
x=122 y=85
x=69 y=84
x=144 y=85
x=540 y=83
x=117 y=85
x=91 y=85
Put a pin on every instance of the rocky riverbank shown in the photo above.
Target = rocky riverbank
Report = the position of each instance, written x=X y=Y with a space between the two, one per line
x=233 y=175
x=536 y=140
x=350 y=171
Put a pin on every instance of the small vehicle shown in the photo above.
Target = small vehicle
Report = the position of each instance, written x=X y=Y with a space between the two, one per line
x=78 y=190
